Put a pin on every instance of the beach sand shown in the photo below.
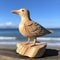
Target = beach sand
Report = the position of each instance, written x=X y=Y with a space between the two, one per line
x=9 y=53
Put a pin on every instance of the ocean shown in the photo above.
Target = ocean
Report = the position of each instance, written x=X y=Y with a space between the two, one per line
x=12 y=36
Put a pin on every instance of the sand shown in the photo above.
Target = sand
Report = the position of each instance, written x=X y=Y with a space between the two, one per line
x=9 y=53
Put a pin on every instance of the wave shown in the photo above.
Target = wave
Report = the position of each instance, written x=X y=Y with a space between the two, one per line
x=48 y=38
x=7 y=38
x=40 y=38
x=53 y=44
x=14 y=43
x=8 y=43
x=50 y=41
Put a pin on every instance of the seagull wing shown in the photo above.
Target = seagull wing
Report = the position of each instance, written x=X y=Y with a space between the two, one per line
x=35 y=29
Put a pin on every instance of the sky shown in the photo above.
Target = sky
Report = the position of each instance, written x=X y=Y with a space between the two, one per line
x=44 y=12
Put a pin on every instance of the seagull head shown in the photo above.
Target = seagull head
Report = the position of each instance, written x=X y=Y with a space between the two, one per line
x=22 y=12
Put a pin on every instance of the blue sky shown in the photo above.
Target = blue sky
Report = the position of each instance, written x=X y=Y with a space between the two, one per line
x=45 y=12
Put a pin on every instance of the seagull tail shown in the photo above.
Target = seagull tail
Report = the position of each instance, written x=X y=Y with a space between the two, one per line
x=51 y=31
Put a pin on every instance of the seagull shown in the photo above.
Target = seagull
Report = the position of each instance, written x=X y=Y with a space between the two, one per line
x=28 y=27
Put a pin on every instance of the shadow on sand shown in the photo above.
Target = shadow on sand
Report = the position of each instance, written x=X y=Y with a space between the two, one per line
x=50 y=52
x=12 y=53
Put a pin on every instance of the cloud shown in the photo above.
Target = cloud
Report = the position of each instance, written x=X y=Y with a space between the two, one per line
x=1 y=24
x=7 y=24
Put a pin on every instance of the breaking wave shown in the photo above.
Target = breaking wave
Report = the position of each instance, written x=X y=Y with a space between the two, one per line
x=50 y=41
x=7 y=38
x=8 y=43
x=49 y=38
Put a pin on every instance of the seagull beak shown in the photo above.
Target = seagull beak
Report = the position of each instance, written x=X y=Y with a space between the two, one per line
x=15 y=11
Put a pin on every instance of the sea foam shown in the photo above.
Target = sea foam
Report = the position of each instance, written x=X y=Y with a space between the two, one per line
x=48 y=38
x=7 y=38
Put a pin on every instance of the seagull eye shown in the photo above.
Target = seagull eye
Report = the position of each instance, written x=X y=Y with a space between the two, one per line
x=22 y=10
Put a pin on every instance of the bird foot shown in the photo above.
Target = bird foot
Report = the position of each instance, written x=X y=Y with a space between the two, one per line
x=32 y=45
x=26 y=43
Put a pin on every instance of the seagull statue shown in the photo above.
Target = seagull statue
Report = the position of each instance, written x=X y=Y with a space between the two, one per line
x=30 y=28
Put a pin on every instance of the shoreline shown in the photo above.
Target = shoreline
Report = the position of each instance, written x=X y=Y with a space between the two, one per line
x=10 y=46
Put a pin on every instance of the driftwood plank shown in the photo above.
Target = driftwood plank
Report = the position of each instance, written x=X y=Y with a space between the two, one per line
x=34 y=51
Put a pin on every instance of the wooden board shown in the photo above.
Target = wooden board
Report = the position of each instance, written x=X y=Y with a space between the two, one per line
x=27 y=50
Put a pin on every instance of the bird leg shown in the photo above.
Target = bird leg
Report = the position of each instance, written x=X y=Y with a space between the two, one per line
x=34 y=43
x=28 y=41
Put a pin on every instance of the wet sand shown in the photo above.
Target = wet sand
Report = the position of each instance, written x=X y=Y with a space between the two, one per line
x=9 y=53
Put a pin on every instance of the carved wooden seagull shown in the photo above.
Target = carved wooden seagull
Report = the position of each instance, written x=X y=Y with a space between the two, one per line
x=29 y=28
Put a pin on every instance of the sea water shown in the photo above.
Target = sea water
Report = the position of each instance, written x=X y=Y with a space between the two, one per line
x=12 y=36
